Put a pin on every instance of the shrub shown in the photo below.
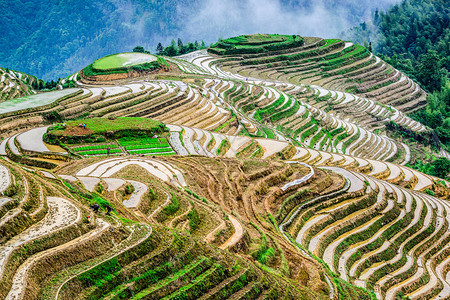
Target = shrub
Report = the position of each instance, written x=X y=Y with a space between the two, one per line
x=11 y=190
x=264 y=253
x=151 y=195
x=100 y=188
x=194 y=219
x=129 y=189
x=173 y=207
x=192 y=194
x=429 y=192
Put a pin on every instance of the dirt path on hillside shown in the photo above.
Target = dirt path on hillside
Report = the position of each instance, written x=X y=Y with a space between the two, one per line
x=237 y=235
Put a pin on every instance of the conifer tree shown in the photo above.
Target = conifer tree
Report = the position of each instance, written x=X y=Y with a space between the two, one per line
x=159 y=49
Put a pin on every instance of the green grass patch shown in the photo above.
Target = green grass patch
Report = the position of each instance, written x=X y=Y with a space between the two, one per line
x=262 y=113
x=286 y=113
x=330 y=42
x=96 y=199
x=256 y=43
x=225 y=124
x=123 y=63
x=129 y=141
x=317 y=137
x=152 y=151
x=308 y=132
x=194 y=219
x=100 y=273
x=106 y=127
x=269 y=133
x=223 y=147
x=123 y=60
x=95 y=147
x=99 y=152
x=147 y=146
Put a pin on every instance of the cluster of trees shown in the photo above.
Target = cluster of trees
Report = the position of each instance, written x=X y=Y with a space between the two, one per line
x=436 y=115
x=175 y=48
x=439 y=167
x=40 y=84
x=414 y=37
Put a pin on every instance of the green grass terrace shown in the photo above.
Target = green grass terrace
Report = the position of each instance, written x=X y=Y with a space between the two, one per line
x=104 y=125
x=146 y=145
x=97 y=149
x=134 y=136
x=123 y=60
x=256 y=43
x=102 y=129
x=123 y=63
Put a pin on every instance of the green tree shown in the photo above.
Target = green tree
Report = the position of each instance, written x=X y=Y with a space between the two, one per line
x=191 y=47
x=429 y=71
x=159 y=49
x=441 y=167
x=180 y=45
x=443 y=132
x=139 y=49
x=444 y=94
x=172 y=49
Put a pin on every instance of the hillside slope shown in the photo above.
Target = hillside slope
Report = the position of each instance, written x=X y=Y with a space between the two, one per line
x=15 y=84
x=225 y=179
x=414 y=36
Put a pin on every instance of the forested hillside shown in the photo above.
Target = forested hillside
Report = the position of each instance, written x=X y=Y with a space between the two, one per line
x=52 y=39
x=414 y=36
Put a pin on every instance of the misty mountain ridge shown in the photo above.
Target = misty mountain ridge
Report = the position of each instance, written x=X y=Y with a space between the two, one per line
x=52 y=39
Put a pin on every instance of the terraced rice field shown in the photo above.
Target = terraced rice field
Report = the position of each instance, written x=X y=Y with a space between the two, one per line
x=15 y=84
x=339 y=66
x=34 y=100
x=146 y=146
x=111 y=245
x=383 y=246
x=87 y=150
x=275 y=179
